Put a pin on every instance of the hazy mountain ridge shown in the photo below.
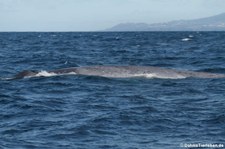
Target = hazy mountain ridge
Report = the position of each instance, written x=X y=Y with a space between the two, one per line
x=213 y=23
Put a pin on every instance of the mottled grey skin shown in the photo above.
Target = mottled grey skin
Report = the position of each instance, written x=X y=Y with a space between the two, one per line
x=126 y=72
x=141 y=71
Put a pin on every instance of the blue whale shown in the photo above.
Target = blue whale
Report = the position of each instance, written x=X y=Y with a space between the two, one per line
x=121 y=72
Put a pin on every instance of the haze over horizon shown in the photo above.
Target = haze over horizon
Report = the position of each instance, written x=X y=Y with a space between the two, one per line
x=94 y=15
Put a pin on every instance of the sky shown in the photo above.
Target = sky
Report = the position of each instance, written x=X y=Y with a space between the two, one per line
x=95 y=15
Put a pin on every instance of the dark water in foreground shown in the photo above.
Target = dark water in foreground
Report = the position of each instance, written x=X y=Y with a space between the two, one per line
x=94 y=112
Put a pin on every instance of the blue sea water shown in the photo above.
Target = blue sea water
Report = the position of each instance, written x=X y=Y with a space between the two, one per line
x=72 y=112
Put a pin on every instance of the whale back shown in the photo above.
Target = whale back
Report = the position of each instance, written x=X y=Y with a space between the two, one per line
x=25 y=73
x=142 y=71
x=120 y=72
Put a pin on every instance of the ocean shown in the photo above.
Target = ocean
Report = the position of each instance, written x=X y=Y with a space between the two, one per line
x=88 y=112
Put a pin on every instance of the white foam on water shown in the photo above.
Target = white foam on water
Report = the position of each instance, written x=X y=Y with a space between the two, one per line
x=71 y=73
x=175 y=77
x=185 y=39
x=152 y=75
x=45 y=74
x=50 y=74
x=6 y=79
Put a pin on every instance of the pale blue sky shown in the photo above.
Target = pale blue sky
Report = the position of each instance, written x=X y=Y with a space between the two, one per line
x=92 y=15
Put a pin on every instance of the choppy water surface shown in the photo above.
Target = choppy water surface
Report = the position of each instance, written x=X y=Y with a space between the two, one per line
x=94 y=112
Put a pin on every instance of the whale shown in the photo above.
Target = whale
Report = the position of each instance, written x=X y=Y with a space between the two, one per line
x=120 y=72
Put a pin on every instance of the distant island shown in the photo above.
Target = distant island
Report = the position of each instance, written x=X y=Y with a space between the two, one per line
x=213 y=23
